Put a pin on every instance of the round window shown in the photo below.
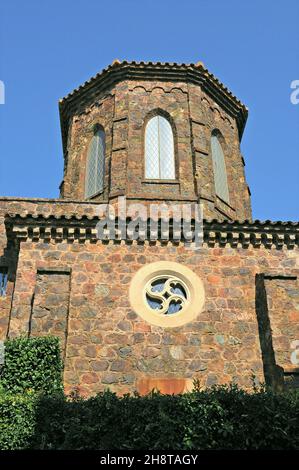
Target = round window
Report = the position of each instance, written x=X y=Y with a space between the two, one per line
x=166 y=294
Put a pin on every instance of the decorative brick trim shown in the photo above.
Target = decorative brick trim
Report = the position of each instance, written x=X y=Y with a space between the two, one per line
x=169 y=72
x=37 y=200
x=82 y=228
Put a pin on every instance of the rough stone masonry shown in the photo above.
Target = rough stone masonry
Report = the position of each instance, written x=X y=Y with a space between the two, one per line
x=63 y=280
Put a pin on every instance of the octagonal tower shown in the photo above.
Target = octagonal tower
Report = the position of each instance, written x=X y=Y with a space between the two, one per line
x=156 y=132
x=138 y=314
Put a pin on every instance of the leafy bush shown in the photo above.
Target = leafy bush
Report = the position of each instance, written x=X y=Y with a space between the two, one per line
x=35 y=414
x=17 y=420
x=218 y=418
x=32 y=364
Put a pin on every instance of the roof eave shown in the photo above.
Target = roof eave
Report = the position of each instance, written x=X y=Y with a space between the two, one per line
x=117 y=72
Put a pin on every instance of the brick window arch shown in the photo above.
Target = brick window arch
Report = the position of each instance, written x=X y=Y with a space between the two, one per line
x=95 y=163
x=159 y=149
x=219 y=167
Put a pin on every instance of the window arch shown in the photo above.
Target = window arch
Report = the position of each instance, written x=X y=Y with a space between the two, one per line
x=159 y=149
x=220 y=176
x=95 y=164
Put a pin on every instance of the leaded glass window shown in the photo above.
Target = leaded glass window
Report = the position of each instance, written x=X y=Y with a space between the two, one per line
x=95 y=165
x=220 y=176
x=159 y=149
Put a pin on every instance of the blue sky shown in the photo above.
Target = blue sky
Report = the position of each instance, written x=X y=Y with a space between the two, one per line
x=47 y=48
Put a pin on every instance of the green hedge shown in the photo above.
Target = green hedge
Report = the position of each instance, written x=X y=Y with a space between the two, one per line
x=218 y=418
x=17 y=420
x=32 y=364
x=35 y=414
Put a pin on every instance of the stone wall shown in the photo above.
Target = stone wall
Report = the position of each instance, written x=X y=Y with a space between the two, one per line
x=9 y=251
x=123 y=111
x=283 y=310
x=108 y=344
x=63 y=281
x=50 y=304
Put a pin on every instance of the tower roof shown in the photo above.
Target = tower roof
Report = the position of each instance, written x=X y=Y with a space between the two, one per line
x=191 y=73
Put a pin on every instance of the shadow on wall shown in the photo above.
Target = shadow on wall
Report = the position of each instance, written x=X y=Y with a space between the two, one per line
x=8 y=268
x=275 y=376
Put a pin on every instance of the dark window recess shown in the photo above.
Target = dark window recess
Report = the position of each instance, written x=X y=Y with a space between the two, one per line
x=3 y=281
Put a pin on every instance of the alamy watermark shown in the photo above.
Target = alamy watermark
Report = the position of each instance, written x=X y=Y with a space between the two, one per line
x=165 y=222
x=295 y=94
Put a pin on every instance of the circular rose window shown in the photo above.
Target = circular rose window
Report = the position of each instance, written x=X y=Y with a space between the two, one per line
x=166 y=294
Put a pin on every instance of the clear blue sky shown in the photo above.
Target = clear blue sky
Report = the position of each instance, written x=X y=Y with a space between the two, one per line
x=47 y=48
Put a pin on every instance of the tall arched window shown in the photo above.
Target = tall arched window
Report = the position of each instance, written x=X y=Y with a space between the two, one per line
x=220 y=176
x=159 y=149
x=95 y=164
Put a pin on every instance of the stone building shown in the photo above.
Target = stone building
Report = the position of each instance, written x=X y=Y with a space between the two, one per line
x=146 y=313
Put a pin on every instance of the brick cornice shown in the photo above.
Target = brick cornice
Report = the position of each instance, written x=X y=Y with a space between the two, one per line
x=196 y=74
x=216 y=233
x=12 y=199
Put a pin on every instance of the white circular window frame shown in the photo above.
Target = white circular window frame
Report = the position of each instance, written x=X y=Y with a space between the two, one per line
x=195 y=296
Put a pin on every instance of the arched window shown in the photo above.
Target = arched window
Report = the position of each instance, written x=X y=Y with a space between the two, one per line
x=159 y=149
x=95 y=164
x=220 y=176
